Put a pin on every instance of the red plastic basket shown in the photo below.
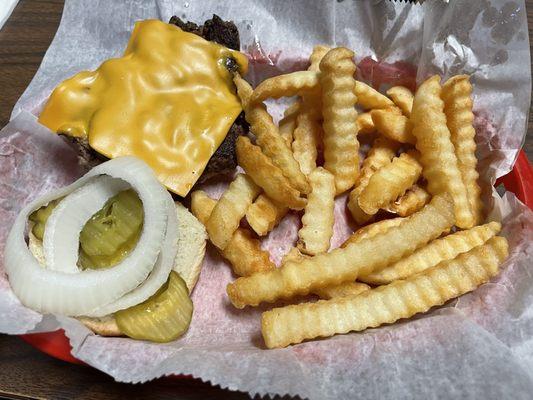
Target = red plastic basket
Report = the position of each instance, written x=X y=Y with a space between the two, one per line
x=519 y=181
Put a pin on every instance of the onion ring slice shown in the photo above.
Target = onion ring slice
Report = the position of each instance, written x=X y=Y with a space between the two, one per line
x=75 y=294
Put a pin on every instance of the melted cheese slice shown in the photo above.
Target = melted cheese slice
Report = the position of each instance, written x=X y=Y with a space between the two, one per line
x=168 y=100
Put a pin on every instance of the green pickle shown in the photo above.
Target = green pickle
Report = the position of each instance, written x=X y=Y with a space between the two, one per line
x=163 y=317
x=109 y=236
x=39 y=218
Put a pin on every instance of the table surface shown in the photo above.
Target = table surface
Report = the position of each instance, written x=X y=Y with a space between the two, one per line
x=26 y=372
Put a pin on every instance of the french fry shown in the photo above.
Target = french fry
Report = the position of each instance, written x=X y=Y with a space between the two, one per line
x=365 y=123
x=457 y=96
x=288 y=123
x=264 y=214
x=403 y=98
x=379 y=155
x=287 y=85
x=369 y=98
x=345 y=264
x=341 y=290
x=437 y=151
x=341 y=148
x=393 y=125
x=306 y=137
x=268 y=137
x=308 y=131
x=385 y=304
x=317 y=221
x=265 y=174
x=328 y=292
x=293 y=255
x=243 y=252
x=230 y=209
x=413 y=200
x=369 y=231
x=389 y=182
x=316 y=56
x=438 y=250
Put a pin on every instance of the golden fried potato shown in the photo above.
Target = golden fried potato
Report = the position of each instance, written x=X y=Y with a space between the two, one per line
x=365 y=123
x=268 y=137
x=369 y=231
x=390 y=182
x=437 y=154
x=293 y=255
x=457 y=96
x=287 y=85
x=341 y=148
x=265 y=174
x=385 y=304
x=393 y=125
x=341 y=290
x=317 y=221
x=230 y=209
x=287 y=124
x=345 y=264
x=430 y=255
x=243 y=252
x=264 y=214
x=379 y=155
x=369 y=98
x=403 y=98
x=316 y=56
x=329 y=292
x=413 y=200
x=307 y=134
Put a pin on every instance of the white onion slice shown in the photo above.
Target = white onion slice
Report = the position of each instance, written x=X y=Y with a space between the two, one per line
x=159 y=274
x=62 y=230
x=75 y=294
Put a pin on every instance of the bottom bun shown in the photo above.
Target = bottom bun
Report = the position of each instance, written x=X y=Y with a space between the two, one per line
x=188 y=262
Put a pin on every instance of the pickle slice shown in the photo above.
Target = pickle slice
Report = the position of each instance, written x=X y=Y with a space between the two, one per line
x=39 y=218
x=163 y=317
x=116 y=224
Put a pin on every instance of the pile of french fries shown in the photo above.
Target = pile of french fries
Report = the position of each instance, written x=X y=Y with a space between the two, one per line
x=420 y=172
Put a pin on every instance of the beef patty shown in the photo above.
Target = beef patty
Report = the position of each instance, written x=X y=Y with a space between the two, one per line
x=224 y=160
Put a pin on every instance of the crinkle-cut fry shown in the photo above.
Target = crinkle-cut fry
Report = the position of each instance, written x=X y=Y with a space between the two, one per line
x=393 y=125
x=379 y=155
x=341 y=148
x=243 y=252
x=341 y=290
x=293 y=255
x=386 y=304
x=306 y=137
x=265 y=174
x=369 y=231
x=457 y=96
x=390 y=182
x=316 y=56
x=437 y=154
x=365 y=123
x=268 y=137
x=413 y=200
x=430 y=255
x=230 y=209
x=286 y=85
x=317 y=221
x=345 y=264
x=369 y=98
x=264 y=214
x=288 y=123
x=403 y=98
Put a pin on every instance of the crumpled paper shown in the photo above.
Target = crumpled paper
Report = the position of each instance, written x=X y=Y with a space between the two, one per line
x=479 y=346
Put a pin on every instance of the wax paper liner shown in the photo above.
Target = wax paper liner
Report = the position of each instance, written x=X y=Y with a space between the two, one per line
x=477 y=346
